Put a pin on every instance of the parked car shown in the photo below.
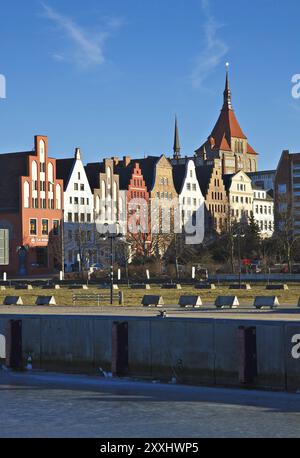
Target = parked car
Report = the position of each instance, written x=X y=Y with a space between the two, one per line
x=96 y=268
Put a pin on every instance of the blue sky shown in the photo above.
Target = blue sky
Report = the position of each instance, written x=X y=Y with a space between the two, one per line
x=109 y=75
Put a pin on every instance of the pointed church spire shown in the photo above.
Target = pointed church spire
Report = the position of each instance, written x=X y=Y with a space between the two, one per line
x=176 y=147
x=227 y=93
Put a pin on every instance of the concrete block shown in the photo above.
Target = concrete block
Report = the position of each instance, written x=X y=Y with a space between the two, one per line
x=142 y=286
x=279 y=286
x=190 y=301
x=171 y=286
x=266 y=301
x=45 y=300
x=205 y=286
x=242 y=286
x=150 y=300
x=227 y=302
x=13 y=300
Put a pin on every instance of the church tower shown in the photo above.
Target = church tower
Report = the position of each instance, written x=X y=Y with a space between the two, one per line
x=227 y=140
x=176 y=147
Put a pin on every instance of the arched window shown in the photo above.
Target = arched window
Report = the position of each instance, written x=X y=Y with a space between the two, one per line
x=50 y=172
x=58 y=197
x=42 y=151
x=115 y=191
x=103 y=189
x=26 y=194
x=34 y=170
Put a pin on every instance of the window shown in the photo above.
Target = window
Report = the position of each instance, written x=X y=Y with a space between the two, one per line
x=282 y=188
x=26 y=194
x=79 y=176
x=82 y=201
x=88 y=201
x=75 y=186
x=58 y=197
x=82 y=217
x=45 y=227
x=194 y=187
x=76 y=217
x=34 y=202
x=55 y=230
x=76 y=200
x=70 y=217
x=33 y=227
x=188 y=186
x=88 y=217
x=82 y=187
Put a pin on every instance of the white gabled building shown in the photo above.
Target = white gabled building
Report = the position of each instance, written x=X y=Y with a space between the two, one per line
x=191 y=201
x=263 y=211
x=240 y=195
x=79 y=230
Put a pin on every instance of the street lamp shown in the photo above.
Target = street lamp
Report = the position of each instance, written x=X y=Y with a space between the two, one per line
x=239 y=235
x=112 y=237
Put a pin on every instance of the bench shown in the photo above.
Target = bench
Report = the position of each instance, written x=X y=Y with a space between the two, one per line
x=205 y=286
x=150 y=300
x=190 y=301
x=279 y=286
x=266 y=301
x=45 y=300
x=171 y=286
x=98 y=298
x=13 y=300
x=242 y=286
x=231 y=302
x=140 y=286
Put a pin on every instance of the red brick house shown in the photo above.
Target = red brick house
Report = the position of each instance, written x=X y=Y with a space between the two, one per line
x=31 y=208
x=131 y=181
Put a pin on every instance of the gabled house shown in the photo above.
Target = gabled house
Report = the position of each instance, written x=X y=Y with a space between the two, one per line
x=216 y=201
x=191 y=201
x=31 y=205
x=79 y=228
x=240 y=196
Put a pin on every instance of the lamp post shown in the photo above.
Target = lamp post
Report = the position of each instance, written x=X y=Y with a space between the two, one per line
x=112 y=237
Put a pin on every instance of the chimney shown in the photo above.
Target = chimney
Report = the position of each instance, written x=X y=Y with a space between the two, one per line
x=126 y=160
x=77 y=154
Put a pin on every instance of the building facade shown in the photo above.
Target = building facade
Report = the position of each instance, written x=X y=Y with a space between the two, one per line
x=263 y=211
x=287 y=193
x=216 y=201
x=228 y=142
x=240 y=196
x=191 y=201
x=31 y=208
x=79 y=228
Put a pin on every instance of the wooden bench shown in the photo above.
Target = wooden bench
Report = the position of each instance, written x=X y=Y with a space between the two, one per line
x=98 y=298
